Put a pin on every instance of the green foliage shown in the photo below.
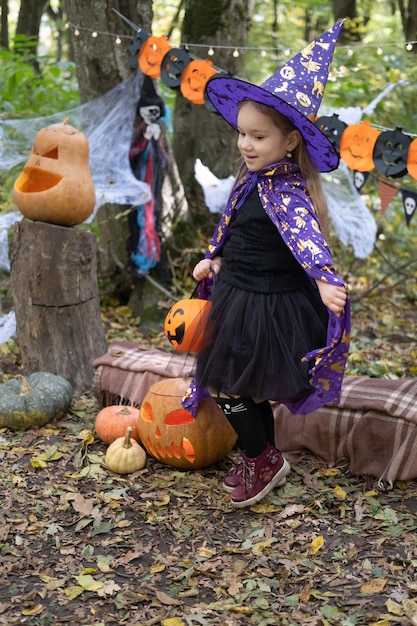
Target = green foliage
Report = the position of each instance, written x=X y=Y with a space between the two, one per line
x=28 y=93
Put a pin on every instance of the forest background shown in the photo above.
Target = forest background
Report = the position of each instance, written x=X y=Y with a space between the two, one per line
x=81 y=545
x=46 y=67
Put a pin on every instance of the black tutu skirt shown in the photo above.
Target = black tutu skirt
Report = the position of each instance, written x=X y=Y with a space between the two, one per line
x=256 y=342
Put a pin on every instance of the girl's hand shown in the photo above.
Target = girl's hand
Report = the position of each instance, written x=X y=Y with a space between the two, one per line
x=332 y=296
x=206 y=268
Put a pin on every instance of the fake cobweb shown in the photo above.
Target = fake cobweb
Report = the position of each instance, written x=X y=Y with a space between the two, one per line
x=108 y=124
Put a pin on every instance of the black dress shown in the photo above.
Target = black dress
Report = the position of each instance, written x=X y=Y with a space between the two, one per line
x=266 y=315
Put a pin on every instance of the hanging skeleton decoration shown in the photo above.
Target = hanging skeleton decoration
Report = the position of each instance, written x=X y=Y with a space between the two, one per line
x=148 y=160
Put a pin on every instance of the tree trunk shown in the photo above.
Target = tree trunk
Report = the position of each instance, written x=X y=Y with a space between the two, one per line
x=4 y=24
x=55 y=293
x=28 y=24
x=199 y=132
x=409 y=20
x=101 y=62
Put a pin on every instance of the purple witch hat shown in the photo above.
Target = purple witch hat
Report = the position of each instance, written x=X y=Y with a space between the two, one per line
x=295 y=90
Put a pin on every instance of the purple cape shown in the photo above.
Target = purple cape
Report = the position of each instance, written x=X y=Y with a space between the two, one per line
x=285 y=199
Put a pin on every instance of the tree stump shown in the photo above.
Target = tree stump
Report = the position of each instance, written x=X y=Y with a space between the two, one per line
x=54 y=284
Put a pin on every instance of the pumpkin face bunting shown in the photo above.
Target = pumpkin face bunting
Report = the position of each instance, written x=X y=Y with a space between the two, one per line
x=186 y=324
x=55 y=185
x=171 y=434
x=194 y=80
x=33 y=401
x=390 y=153
x=357 y=145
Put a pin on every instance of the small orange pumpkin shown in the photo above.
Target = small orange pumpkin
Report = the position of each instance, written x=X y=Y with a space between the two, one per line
x=55 y=185
x=186 y=324
x=151 y=55
x=171 y=434
x=357 y=146
x=194 y=80
x=112 y=421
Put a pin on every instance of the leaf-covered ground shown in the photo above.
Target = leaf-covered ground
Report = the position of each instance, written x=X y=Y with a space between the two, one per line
x=82 y=546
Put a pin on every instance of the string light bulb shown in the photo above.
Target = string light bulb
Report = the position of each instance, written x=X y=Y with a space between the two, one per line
x=350 y=52
x=409 y=47
x=118 y=41
x=263 y=53
x=379 y=51
x=94 y=34
x=236 y=53
x=210 y=52
x=76 y=32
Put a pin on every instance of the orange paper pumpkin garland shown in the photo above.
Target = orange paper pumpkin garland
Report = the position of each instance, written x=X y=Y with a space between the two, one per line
x=194 y=80
x=357 y=145
x=151 y=54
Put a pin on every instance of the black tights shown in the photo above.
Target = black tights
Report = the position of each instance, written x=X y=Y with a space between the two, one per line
x=253 y=423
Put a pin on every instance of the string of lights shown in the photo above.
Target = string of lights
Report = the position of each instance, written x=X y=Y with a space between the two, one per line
x=237 y=50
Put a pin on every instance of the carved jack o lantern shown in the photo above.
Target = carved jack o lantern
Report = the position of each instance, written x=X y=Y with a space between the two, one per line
x=194 y=80
x=357 y=145
x=170 y=433
x=332 y=127
x=186 y=324
x=390 y=153
x=173 y=65
x=151 y=54
x=55 y=185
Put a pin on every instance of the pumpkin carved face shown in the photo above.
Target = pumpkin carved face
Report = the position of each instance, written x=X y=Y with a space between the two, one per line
x=194 y=80
x=390 y=153
x=186 y=324
x=357 y=145
x=151 y=54
x=55 y=185
x=171 y=434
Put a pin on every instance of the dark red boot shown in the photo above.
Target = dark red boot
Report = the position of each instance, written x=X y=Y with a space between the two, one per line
x=259 y=476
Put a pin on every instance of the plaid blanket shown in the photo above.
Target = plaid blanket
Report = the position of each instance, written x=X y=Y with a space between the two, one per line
x=126 y=372
x=373 y=429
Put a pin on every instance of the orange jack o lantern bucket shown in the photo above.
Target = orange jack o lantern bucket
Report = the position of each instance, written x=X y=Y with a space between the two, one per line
x=186 y=324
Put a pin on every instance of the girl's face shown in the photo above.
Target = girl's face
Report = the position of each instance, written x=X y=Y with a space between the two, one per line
x=260 y=141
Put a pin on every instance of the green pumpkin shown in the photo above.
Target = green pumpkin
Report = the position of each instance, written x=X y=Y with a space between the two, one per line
x=33 y=401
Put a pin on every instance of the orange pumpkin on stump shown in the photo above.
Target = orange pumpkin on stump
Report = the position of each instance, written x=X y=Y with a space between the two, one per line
x=171 y=434
x=55 y=185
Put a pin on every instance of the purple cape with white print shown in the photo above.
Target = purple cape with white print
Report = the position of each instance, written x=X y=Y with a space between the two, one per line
x=285 y=199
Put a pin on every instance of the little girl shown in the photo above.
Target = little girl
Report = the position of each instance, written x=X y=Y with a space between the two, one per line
x=280 y=314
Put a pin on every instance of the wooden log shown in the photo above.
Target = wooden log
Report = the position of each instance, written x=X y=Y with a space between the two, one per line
x=53 y=278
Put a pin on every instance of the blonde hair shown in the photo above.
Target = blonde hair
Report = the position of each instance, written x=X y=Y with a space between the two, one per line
x=307 y=167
